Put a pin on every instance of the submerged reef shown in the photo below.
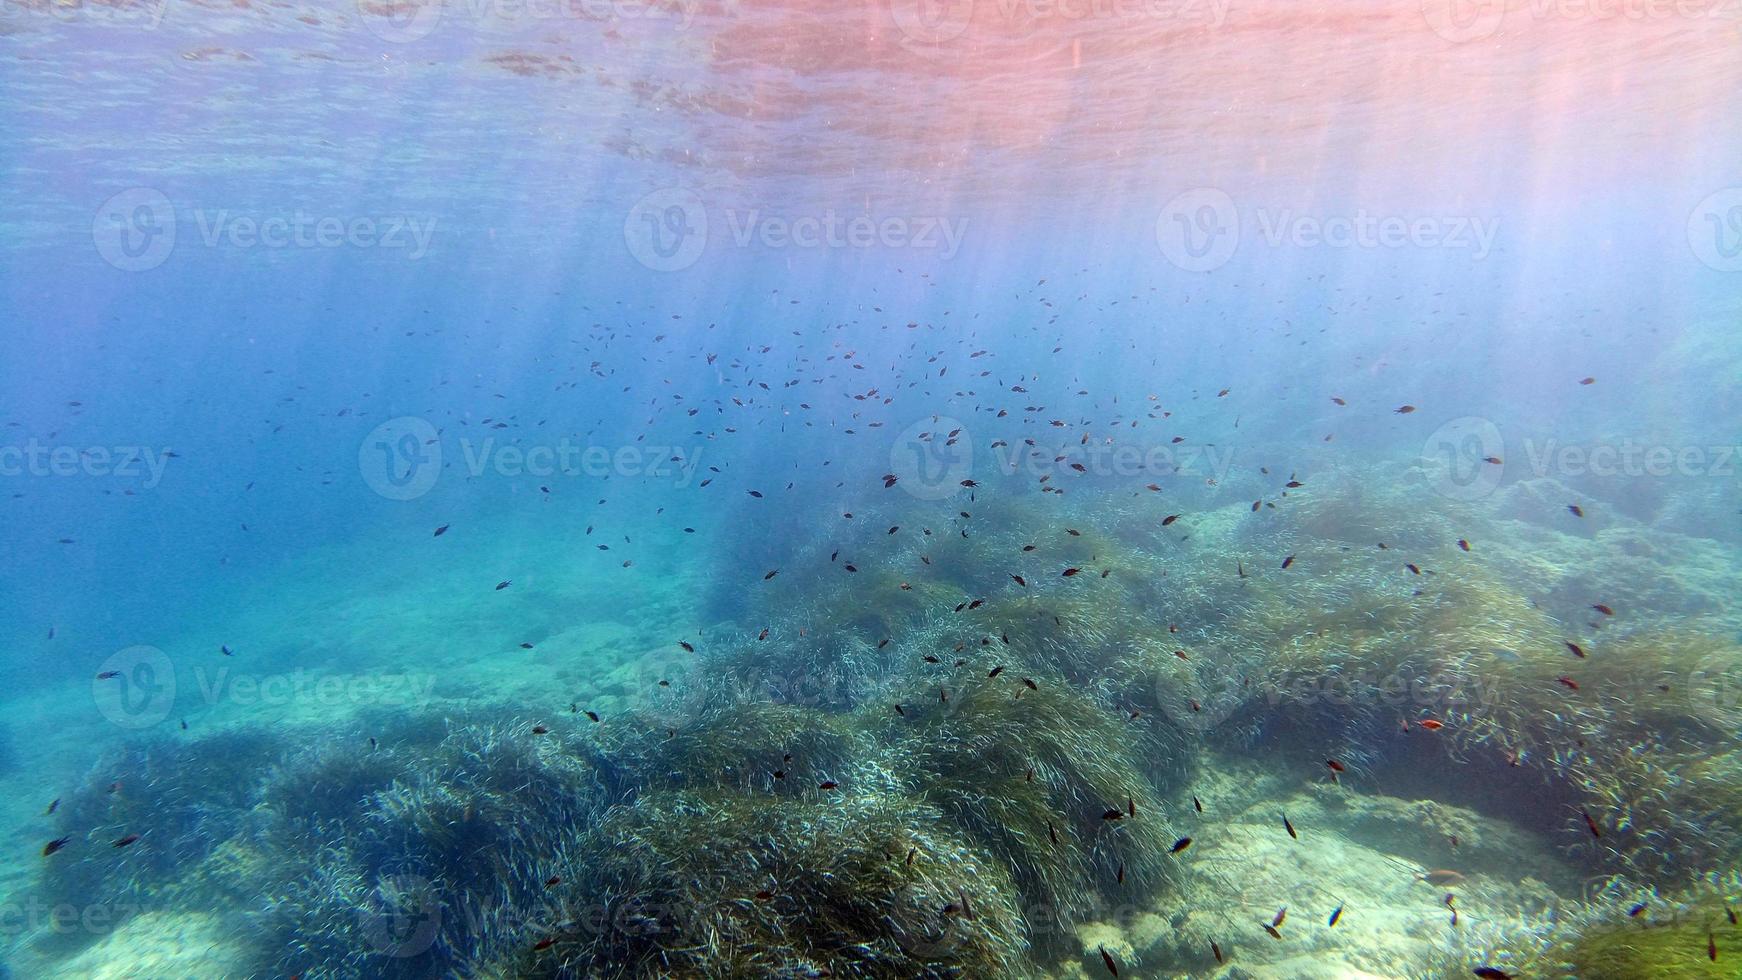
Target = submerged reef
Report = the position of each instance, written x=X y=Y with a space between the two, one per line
x=980 y=743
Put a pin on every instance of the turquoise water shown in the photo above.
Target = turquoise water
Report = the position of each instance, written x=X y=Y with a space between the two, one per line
x=737 y=489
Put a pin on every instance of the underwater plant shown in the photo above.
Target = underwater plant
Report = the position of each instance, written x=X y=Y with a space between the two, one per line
x=712 y=884
x=1047 y=778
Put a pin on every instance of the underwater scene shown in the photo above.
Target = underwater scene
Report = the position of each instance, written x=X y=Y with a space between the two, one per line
x=1054 y=489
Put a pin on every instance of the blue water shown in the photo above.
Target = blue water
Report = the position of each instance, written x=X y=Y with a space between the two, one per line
x=534 y=281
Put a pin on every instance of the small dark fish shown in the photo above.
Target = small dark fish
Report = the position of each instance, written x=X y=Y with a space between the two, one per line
x=1403 y=409
x=1197 y=805
x=1052 y=832
x=1107 y=960
x=1271 y=929
x=994 y=672
x=553 y=881
x=107 y=674
x=1605 y=610
x=1578 y=651
x=1289 y=827
x=1216 y=950
x=1169 y=519
x=1120 y=876
x=1464 y=544
x=1711 y=947
x=686 y=646
x=52 y=807
x=1492 y=973
x=771 y=573
x=1336 y=914
x=1335 y=765
x=540 y=730
x=1113 y=814
x=543 y=944
x=1567 y=682
x=1067 y=573
x=755 y=493
x=1031 y=685
x=1576 y=510
x=1180 y=845
x=442 y=530
x=592 y=716
x=1287 y=561
x=1591 y=824
x=1413 y=569
x=1019 y=580
x=1281 y=914
x=55 y=845
x=124 y=841
x=828 y=784
x=1633 y=913
x=503 y=585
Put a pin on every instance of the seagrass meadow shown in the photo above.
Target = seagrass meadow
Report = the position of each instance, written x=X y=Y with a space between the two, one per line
x=875 y=490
